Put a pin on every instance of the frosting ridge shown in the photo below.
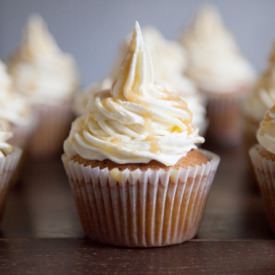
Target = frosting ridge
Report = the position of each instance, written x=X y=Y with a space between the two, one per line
x=137 y=120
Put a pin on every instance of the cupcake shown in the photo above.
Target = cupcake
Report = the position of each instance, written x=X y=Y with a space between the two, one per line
x=169 y=63
x=263 y=160
x=217 y=67
x=259 y=101
x=15 y=110
x=9 y=158
x=136 y=174
x=47 y=78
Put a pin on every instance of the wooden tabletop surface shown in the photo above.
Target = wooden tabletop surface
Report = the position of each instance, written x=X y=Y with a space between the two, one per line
x=41 y=233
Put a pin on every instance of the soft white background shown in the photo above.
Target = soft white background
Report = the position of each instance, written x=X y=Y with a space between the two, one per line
x=92 y=29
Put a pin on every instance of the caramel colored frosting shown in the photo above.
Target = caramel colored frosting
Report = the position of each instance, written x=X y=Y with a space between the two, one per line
x=137 y=120
x=40 y=70
x=266 y=132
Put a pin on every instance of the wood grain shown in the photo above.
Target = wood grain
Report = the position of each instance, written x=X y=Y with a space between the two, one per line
x=74 y=256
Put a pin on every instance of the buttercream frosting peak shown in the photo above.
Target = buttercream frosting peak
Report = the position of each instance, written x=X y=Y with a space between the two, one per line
x=37 y=40
x=136 y=70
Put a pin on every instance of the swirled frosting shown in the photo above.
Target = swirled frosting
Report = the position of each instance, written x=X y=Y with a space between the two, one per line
x=263 y=96
x=81 y=100
x=136 y=121
x=266 y=132
x=5 y=135
x=39 y=69
x=13 y=107
x=215 y=62
x=169 y=63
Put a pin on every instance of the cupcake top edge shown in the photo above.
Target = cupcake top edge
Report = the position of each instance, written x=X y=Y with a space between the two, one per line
x=214 y=60
x=262 y=97
x=40 y=70
x=13 y=107
x=5 y=135
x=135 y=121
x=266 y=131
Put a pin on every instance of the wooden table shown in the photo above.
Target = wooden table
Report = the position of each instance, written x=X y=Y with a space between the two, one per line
x=41 y=233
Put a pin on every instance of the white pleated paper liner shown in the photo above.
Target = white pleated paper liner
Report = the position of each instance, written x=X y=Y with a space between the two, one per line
x=8 y=166
x=52 y=128
x=265 y=172
x=141 y=208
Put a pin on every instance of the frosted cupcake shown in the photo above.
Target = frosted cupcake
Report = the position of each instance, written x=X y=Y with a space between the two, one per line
x=169 y=63
x=263 y=160
x=48 y=78
x=259 y=101
x=15 y=110
x=220 y=72
x=137 y=176
x=9 y=158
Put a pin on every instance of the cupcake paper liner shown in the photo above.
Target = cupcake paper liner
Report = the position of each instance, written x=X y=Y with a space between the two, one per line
x=250 y=128
x=8 y=165
x=224 y=118
x=265 y=172
x=141 y=208
x=22 y=134
x=52 y=128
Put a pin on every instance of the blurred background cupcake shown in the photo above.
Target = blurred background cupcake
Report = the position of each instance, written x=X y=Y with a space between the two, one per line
x=217 y=67
x=259 y=101
x=136 y=174
x=16 y=111
x=9 y=158
x=47 y=77
x=263 y=159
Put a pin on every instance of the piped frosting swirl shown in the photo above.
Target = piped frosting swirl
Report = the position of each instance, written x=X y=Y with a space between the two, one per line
x=137 y=120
